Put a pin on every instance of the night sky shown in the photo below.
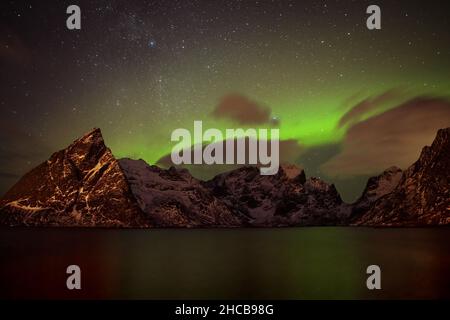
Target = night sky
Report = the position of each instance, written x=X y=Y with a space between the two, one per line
x=355 y=101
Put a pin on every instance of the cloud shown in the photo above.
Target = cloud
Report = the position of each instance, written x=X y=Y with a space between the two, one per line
x=314 y=156
x=366 y=106
x=394 y=137
x=242 y=110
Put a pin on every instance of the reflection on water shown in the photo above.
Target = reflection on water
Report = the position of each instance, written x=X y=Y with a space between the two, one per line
x=292 y=263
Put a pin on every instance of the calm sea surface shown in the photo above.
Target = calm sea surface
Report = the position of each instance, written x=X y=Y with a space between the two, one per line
x=291 y=263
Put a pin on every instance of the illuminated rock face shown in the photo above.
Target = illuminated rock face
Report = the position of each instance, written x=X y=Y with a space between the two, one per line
x=81 y=185
x=84 y=185
x=174 y=198
x=284 y=199
x=376 y=188
x=422 y=195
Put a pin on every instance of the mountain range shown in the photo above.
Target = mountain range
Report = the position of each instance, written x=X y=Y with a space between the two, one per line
x=84 y=185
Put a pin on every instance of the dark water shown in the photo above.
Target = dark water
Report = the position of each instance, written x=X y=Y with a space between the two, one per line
x=295 y=263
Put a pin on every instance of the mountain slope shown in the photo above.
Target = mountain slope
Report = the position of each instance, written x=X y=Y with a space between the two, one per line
x=422 y=196
x=81 y=185
x=284 y=199
x=376 y=188
x=84 y=185
x=173 y=198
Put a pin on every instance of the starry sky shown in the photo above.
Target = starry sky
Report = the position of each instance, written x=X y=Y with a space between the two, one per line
x=140 y=69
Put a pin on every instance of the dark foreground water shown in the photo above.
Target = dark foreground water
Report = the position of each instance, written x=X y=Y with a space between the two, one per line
x=294 y=263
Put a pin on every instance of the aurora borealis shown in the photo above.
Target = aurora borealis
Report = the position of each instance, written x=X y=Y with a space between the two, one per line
x=140 y=69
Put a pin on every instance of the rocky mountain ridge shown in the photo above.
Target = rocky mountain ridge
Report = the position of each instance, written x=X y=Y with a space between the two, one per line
x=422 y=195
x=84 y=185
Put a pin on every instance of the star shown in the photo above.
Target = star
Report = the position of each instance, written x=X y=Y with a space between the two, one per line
x=163 y=64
